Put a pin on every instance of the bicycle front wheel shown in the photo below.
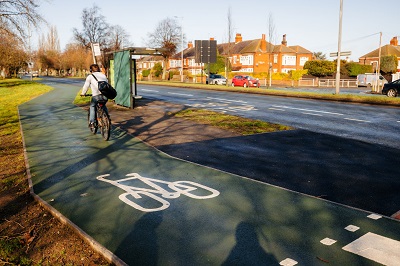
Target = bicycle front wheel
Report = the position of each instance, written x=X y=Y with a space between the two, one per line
x=105 y=126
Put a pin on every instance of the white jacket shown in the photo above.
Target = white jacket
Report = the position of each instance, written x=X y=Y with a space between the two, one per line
x=92 y=83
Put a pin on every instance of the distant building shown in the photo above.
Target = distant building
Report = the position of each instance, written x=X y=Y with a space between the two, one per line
x=251 y=56
x=390 y=49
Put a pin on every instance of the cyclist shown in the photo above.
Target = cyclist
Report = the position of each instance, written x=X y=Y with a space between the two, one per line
x=96 y=94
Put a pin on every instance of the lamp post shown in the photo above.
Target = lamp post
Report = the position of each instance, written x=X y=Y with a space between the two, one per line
x=337 y=90
x=181 y=47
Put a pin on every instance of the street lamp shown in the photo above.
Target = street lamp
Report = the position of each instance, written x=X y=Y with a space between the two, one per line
x=181 y=47
x=337 y=90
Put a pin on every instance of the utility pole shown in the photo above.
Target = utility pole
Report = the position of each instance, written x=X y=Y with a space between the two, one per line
x=181 y=46
x=337 y=91
x=378 y=68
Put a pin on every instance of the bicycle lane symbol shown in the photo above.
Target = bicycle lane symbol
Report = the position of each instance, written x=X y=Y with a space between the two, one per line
x=178 y=188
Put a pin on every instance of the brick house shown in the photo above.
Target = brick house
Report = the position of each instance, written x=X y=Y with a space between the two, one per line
x=256 y=55
x=252 y=56
x=390 y=49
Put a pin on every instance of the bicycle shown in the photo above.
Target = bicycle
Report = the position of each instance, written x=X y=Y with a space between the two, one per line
x=103 y=120
x=155 y=192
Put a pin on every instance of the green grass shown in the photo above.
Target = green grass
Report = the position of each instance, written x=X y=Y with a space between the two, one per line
x=343 y=97
x=14 y=92
x=237 y=124
x=79 y=100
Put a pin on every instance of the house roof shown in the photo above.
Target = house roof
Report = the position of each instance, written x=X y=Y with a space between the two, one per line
x=283 y=49
x=385 y=50
x=300 y=50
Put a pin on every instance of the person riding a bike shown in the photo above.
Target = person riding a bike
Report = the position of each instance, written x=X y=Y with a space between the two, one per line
x=96 y=94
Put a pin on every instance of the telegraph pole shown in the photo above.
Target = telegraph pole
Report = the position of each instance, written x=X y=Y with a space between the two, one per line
x=337 y=91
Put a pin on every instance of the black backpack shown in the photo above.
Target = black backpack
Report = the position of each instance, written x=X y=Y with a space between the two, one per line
x=106 y=89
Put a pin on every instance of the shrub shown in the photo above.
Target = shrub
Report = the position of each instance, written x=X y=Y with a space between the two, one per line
x=146 y=73
x=320 y=68
x=354 y=69
x=157 y=69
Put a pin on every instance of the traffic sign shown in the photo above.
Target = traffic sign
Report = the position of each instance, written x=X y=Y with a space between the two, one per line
x=347 y=53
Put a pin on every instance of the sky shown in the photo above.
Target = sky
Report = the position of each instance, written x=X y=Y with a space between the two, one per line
x=312 y=24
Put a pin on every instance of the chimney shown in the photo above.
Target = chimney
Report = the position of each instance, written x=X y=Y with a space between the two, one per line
x=263 y=44
x=190 y=44
x=211 y=38
x=238 y=37
x=394 y=41
x=284 y=42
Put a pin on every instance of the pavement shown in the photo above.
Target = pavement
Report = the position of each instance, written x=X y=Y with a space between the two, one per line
x=139 y=205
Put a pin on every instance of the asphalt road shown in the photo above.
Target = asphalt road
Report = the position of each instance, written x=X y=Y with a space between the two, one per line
x=368 y=123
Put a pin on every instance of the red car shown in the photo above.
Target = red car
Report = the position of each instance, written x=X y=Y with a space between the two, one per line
x=245 y=81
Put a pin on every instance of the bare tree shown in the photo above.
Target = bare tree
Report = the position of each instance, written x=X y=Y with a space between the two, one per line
x=117 y=38
x=49 y=53
x=95 y=28
x=17 y=16
x=271 y=39
x=230 y=34
x=12 y=54
x=166 y=35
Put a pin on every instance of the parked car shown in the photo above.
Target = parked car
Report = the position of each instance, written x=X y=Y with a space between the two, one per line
x=245 y=81
x=391 y=89
x=35 y=74
x=369 y=79
x=216 y=79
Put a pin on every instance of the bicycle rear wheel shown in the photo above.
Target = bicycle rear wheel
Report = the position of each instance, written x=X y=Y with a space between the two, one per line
x=92 y=128
x=105 y=128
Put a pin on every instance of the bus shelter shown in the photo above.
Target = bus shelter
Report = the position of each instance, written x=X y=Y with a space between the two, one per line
x=123 y=73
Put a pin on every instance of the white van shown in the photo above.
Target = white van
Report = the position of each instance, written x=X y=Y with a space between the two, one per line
x=369 y=79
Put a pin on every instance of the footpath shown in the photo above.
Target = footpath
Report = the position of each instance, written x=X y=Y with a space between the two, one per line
x=140 y=206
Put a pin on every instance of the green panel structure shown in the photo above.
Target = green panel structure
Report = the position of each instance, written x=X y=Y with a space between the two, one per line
x=111 y=74
x=122 y=78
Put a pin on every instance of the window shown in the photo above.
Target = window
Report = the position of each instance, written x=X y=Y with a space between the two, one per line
x=246 y=60
x=288 y=60
x=275 y=59
x=303 y=60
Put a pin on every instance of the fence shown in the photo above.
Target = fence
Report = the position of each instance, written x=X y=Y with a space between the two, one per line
x=344 y=83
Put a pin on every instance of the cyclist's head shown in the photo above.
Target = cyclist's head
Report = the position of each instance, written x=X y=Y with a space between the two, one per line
x=94 y=68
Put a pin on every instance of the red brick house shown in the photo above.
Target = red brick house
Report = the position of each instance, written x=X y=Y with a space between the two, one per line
x=390 y=49
x=252 y=56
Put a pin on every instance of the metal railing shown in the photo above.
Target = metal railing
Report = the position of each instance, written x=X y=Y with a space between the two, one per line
x=345 y=83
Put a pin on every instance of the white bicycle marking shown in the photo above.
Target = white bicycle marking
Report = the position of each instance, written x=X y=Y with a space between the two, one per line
x=178 y=188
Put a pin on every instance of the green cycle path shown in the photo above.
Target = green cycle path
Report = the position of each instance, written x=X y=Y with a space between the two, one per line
x=140 y=206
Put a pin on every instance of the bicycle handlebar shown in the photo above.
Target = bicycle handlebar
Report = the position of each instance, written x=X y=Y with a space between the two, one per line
x=86 y=95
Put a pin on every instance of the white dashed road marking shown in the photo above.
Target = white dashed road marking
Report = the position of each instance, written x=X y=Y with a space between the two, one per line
x=358 y=120
x=181 y=94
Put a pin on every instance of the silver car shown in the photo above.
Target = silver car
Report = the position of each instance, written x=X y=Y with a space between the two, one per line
x=215 y=79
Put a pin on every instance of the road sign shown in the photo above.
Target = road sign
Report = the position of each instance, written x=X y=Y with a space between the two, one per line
x=205 y=51
x=96 y=49
x=347 y=53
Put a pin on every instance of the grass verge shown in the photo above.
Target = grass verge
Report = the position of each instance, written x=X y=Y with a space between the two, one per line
x=14 y=92
x=237 y=124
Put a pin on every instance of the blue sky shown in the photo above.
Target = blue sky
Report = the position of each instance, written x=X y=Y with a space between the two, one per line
x=312 y=24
